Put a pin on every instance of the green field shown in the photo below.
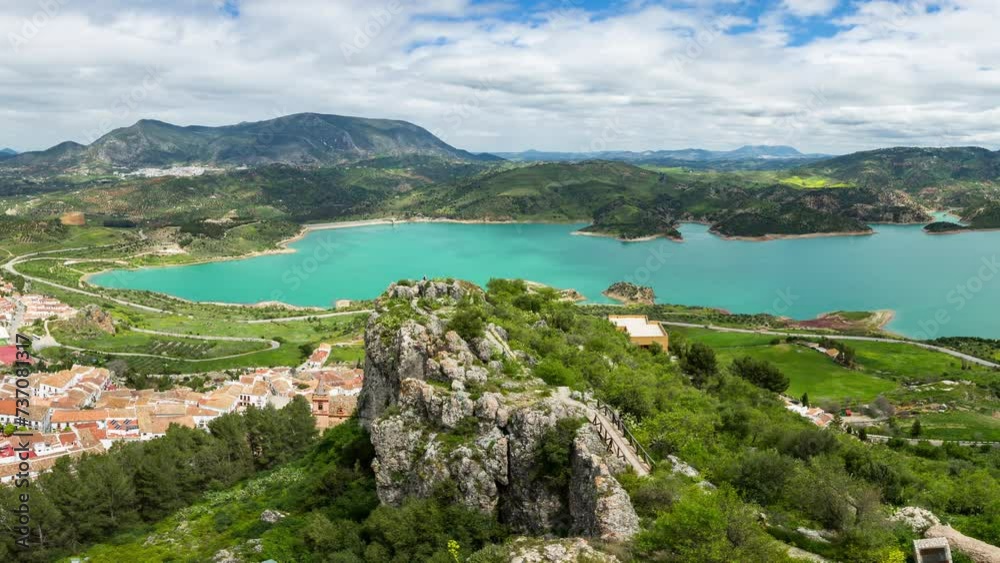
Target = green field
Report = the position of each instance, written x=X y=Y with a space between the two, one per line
x=127 y=341
x=956 y=425
x=809 y=371
x=909 y=377
x=813 y=182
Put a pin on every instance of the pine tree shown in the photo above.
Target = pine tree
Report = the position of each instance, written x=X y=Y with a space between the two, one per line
x=805 y=399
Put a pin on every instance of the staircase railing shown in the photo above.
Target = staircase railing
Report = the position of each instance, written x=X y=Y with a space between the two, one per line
x=608 y=440
x=611 y=414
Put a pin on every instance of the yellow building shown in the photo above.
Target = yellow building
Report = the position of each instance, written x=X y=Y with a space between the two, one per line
x=640 y=331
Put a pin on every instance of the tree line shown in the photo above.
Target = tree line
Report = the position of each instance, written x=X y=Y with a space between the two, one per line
x=87 y=500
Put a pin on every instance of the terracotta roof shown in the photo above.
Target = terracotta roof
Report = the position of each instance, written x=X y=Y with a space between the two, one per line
x=160 y=425
x=259 y=389
x=62 y=417
x=8 y=407
x=58 y=380
x=169 y=409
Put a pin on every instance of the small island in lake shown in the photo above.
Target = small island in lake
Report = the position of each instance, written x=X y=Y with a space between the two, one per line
x=943 y=227
x=630 y=293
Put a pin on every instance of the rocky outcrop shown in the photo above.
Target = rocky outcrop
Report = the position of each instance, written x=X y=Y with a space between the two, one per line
x=571 y=550
x=631 y=294
x=272 y=516
x=95 y=318
x=916 y=518
x=598 y=504
x=444 y=417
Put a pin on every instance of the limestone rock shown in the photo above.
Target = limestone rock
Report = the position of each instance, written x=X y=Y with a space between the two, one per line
x=271 y=516
x=225 y=556
x=569 y=550
x=432 y=425
x=599 y=505
x=918 y=519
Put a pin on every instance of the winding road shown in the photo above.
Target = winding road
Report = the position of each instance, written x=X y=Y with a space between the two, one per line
x=9 y=266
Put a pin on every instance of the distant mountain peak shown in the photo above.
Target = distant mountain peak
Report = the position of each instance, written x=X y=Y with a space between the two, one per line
x=302 y=139
x=8 y=152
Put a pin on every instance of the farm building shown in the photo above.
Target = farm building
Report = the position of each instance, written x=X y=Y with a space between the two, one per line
x=640 y=331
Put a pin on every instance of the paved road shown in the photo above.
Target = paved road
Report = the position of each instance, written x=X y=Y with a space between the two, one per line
x=948 y=351
x=9 y=266
x=914 y=441
x=15 y=321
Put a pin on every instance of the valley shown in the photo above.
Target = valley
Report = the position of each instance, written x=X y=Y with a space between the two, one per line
x=185 y=263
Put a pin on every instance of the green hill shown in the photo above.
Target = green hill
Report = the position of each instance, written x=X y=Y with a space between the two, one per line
x=615 y=198
x=912 y=168
x=305 y=139
x=630 y=202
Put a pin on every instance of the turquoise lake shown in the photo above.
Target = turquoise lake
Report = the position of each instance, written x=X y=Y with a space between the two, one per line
x=938 y=285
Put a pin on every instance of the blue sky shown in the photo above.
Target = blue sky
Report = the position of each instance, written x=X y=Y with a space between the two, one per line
x=830 y=76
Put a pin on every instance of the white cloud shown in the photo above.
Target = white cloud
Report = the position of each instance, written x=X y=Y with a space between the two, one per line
x=649 y=77
x=811 y=7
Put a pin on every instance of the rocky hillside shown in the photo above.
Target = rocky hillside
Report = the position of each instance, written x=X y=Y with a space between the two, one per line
x=450 y=404
x=631 y=294
x=305 y=139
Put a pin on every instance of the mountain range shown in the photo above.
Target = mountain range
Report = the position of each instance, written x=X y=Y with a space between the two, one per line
x=748 y=157
x=305 y=139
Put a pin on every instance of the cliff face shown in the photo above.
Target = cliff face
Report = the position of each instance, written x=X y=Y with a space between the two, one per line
x=444 y=416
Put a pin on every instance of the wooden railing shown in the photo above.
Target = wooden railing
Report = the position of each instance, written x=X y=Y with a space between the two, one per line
x=611 y=414
x=608 y=439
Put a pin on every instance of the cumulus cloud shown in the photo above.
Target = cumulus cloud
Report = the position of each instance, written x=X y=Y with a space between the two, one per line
x=811 y=7
x=486 y=76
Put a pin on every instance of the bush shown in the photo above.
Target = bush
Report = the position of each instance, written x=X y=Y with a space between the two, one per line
x=553 y=372
x=699 y=362
x=760 y=476
x=807 y=443
x=554 y=450
x=761 y=373
x=469 y=323
x=710 y=527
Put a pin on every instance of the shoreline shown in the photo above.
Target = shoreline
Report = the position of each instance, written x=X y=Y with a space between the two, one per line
x=283 y=247
x=767 y=238
x=620 y=239
x=962 y=231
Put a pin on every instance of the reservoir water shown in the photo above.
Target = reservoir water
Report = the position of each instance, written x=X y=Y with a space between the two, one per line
x=937 y=285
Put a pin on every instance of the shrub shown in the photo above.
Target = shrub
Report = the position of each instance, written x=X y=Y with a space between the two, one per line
x=469 y=323
x=761 y=373
x=554 y=450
